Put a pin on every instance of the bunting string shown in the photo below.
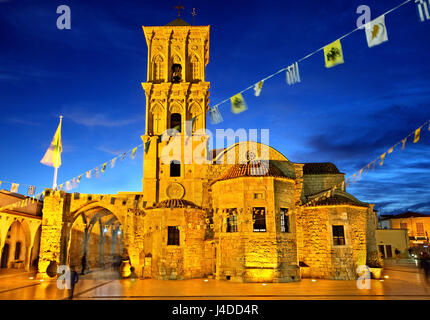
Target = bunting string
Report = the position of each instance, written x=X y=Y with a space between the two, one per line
x=292 y=71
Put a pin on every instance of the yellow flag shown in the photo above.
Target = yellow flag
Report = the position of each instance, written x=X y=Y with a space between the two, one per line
x=382 y=159
x=333 y=54
x=52 y=156
x=238 y=103
x=417 y=135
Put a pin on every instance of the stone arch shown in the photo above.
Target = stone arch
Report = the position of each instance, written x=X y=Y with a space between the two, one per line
x=195 y=110
x=156 y=119
x=195 y=67
x=23 y=235
x=175 y=107
x=158 y=68
x=176 y=58
x=89 y=234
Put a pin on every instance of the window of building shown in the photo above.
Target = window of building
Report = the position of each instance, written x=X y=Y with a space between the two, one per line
x=232 y=220
x=388 y=250
x=420 y=229
x=17 y=250
x=175 y=168
x=176 y=73
x=285 y=220
x=173 y=236
x=176 y=122
x=338 y=236
x=258 y=195
x=403 y=226
x=259 y=218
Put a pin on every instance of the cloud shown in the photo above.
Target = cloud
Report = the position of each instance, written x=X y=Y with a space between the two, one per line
x=99 y=119
x=23 y=121
x=108 y=150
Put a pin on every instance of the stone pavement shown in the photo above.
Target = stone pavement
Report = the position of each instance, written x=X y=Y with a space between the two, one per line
x=405 y=281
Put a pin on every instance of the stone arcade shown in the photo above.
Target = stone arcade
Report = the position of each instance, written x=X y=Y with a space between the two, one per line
x=241 y=221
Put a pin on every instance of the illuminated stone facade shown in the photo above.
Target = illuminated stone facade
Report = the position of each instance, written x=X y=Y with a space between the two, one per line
x=237 y=216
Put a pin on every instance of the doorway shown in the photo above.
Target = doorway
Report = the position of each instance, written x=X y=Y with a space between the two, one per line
x=5 y=256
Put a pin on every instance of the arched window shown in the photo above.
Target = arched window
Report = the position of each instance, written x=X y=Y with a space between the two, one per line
x=158 y=71
x=175 y=168
x=176 y=122
x=176 y=73
x=195 y=75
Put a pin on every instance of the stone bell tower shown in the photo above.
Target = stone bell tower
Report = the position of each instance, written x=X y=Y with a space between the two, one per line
x=177 y=97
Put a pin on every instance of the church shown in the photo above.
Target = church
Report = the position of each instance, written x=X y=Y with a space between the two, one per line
x=247 y=213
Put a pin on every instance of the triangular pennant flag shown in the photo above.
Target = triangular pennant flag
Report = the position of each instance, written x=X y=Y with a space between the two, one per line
x=376 y=32
x=74 y=183
x=417 y=135
x=423 y=9
x=0 y=183
x=390 y=150
x=104 y=167
x=333 y=54
x=404 y=142
x=258 y=87
x=112 y=162
x=88 y=174
x=133 y=153
x=68 y=186
x=214 y=115
x=123 y=155
x=96 y=172
x=382 y=159
x=359 y=174
x=31 y=190
x=238 y=104
x=61 y=187
x=14 y=187
x=52 y=156
x=293 y=74
x=147 y=144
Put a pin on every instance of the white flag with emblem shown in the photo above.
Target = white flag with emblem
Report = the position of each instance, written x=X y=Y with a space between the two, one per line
x=293 y=74
x=376 y=32
x=423 y=8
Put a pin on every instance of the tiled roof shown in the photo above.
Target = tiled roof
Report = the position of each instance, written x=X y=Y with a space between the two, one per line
x=339 y=199
x=320 y=168
x=178 y=22
x=252 y=169
x=174 y=203
x=410 y=214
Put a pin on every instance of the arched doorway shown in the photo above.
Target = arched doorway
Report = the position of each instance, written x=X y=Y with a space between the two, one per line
x=5 y=256
x=15 y=251
x=95 y=240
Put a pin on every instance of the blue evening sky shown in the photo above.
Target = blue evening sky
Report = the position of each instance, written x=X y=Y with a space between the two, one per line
x=91 y=74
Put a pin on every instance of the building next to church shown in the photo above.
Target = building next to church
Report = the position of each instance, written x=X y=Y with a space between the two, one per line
x=20 y=230
x=416 y=226
x=245 y=213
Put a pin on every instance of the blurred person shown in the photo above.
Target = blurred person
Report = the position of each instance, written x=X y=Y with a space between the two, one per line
x=74 y=278
x=84 y=263
x=425 y=265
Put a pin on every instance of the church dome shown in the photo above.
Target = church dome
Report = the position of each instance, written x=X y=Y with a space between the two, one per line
x=320 y=168
x=253 y=169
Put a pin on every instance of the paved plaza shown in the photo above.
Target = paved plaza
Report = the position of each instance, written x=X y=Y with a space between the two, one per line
x=405 y=281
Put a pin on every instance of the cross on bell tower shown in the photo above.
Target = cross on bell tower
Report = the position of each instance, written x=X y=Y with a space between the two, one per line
x=179 y=7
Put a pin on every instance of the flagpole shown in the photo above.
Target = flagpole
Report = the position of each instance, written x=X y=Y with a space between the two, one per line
x=54 y=185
